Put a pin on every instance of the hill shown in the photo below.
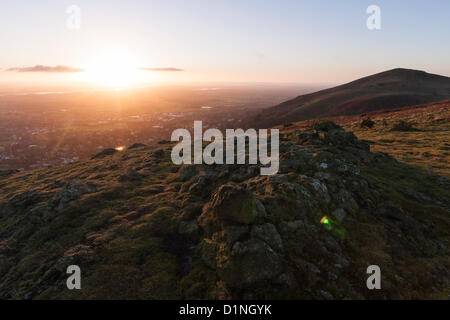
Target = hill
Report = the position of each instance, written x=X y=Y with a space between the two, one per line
x=141 y=227
x=424 y=142
x=386 y=90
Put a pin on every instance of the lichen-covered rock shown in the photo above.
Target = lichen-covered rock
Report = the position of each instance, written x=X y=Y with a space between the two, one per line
x=326 y=126
x=339 y=214
x=231 y=204
x=188 y=229
x=231 y=234
x=104 y=153
x=249 y=263
x=269 y=234
x=208 y=251
x=72 y=191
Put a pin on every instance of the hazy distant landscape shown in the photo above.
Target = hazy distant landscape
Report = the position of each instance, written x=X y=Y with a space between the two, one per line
x=45 y=128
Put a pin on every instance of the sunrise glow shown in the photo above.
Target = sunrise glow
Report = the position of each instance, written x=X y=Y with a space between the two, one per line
x=114 y=69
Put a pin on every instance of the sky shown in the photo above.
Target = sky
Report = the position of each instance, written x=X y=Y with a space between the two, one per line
x=281 y=41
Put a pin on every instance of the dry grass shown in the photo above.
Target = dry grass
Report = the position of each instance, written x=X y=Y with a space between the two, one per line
x=428 y=147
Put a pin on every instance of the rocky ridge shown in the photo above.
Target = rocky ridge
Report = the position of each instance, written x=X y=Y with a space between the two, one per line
x=141 y=227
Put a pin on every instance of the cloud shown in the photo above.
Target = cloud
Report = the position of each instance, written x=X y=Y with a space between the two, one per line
x=40 y=68
x=161 y=69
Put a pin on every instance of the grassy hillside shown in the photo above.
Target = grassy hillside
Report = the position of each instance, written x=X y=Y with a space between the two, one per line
x=386 y=90
x=141 y=227
x=426 y=143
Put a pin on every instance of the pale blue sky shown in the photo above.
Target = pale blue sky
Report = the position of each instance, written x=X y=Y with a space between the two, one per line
x=245 y=40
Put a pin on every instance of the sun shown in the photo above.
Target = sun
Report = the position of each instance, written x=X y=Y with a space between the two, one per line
x=114 y=69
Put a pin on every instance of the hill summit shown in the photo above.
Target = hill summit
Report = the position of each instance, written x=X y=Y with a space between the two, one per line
x=382 y=91
x=140 y=227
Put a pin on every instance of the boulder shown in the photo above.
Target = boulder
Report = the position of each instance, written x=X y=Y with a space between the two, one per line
x=269 y=234
x=104 y=153
x=231 y=204
x=326 y=126
x=339 y=214
x=72 y=191
x=251 y=262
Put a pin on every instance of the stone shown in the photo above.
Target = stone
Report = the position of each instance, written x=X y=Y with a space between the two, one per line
x=231 y=204
x=251 y=262
x=339 y=214
x=188 y=228
x=269 y=234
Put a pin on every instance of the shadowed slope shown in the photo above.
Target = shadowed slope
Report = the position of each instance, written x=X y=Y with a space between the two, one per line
x=390 y=89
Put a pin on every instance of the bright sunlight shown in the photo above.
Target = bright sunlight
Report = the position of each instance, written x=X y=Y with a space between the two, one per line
x=115 y=70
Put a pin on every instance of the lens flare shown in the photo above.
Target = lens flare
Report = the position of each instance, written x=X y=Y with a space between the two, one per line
x=325 y=220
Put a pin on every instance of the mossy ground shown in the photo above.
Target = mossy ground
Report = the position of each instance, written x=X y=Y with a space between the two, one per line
x=119 y=217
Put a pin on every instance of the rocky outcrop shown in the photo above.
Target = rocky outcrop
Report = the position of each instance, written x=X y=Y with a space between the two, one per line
x=232 y=204
x=142 y=227
x=72 y=191
x=104 y=153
